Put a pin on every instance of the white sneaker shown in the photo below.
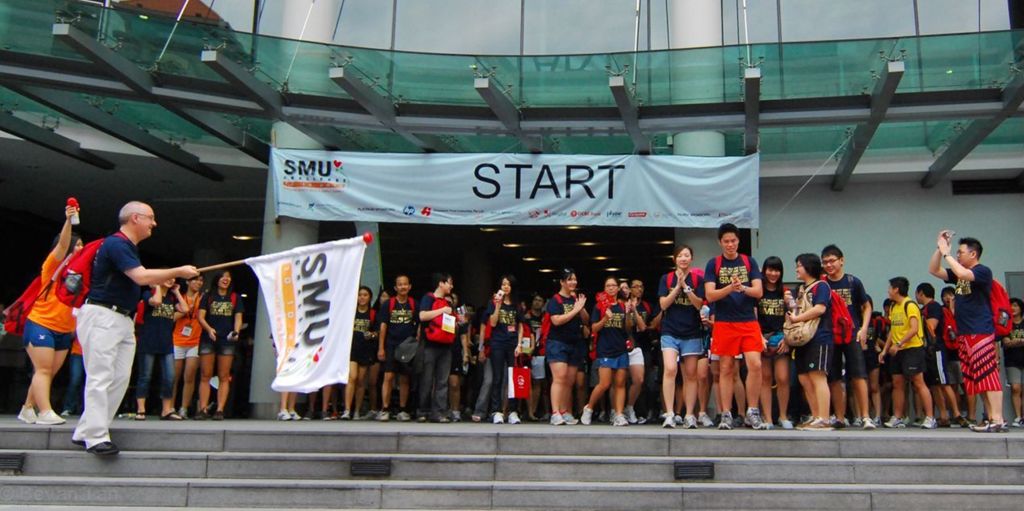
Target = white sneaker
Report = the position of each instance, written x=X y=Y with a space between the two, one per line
x=895 y=423
x=786 y=424
x=726 y=422
x=499 y=418
x=183 y=413
x=513 y=418
x=928 y=423
x=346 y=416
x=295 y=416
x=50 y=418
x=283 y=416
x=569 y=419
x=690 y=422
x=383 y=416
x=705 y=421
x=403 y=417
x=678 y=419
x=557 y=420
x=670 y=421
x=1017 y=423
x=630 y=414
x=620 y=420
x=27 y=415
x=588 y=415
x=868 y=423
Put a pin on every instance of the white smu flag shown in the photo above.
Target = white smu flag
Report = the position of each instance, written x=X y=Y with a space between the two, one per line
x=310 y=293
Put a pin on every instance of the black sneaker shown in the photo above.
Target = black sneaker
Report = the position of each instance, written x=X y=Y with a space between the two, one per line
x=201 y=415
x=103 y=449
x=80 y=443
x=218 y=415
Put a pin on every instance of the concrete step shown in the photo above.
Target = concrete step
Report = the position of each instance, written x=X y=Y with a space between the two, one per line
x=640 y=469
x=526 y=439
x=172 y=492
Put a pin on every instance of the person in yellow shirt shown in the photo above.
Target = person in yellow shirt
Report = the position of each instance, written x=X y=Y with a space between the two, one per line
x=49 y=330
x=906 y=351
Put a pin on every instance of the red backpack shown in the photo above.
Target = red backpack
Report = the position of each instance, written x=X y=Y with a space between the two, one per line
x=545 y=321
x=948 y=329
x=697 y=276
x=75 y=279
x=17 y=313
x=999 y=302
x=718 y=264
x=434 y=331
x=842 y=322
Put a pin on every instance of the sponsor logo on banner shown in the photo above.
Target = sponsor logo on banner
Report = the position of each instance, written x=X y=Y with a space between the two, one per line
x=425 y=211
x=409 y=210
x=320 y=175
x=637 y=214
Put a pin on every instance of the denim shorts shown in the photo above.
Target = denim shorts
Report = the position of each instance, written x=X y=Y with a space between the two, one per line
x=42 y=337
x=685 y=347
x=619 y=362
x=574 y=353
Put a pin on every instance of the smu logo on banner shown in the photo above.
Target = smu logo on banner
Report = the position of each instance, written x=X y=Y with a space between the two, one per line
x=322 y=175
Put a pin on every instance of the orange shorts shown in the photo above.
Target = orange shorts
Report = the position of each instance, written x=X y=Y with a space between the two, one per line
x=731 y=339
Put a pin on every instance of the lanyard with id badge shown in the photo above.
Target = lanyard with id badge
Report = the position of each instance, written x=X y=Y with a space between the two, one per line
x=186 y=329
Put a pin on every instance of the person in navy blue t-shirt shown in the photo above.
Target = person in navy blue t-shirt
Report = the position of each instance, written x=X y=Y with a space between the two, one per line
x=398 y=321
x=566 y=350
x=680 y=296
x=506 y=322
x=163 y=307
x=733 y=284
x=221 y=317
x=975 y=327
x=814 y=358
x=936 y=375
x=105 y=328
x=613 y=327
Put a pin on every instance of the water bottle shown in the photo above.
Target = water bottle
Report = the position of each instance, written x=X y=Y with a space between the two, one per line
x=73 y=203
x=705 y=311
x=790 y=303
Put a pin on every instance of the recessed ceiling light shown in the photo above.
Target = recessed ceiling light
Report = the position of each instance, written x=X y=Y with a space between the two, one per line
x=666 y=242
x=244 y=237
x=511 y=245
x=530 y=259
x=601 y=258
x=588 y=244
x=612 y=269
x=245 y=295
x=488 y=229
x=574 y=227
x=546 y=270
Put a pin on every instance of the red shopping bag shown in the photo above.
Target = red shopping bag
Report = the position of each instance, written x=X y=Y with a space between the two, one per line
x=518 y=383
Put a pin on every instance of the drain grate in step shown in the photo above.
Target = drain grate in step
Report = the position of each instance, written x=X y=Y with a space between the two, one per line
x=11 y=463
x=378 y=468
x=694 y=470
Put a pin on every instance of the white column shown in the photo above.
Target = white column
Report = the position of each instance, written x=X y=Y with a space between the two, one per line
x=697 y=24
x=279 y=234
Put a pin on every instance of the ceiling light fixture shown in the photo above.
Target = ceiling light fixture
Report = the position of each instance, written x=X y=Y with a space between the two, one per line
x=546 y=270
x=511 y=245
x=530 y=259
x=244 y=237
x=574 y=227
x=601 y=258
x=588 y=244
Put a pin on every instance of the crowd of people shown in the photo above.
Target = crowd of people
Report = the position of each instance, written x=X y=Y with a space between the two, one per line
x=713 y=331
x=730 y=329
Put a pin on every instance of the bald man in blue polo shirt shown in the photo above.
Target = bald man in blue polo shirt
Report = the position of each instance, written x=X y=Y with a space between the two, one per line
x=106 y=329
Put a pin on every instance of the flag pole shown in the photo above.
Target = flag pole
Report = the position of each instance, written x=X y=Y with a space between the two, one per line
x=367 y=238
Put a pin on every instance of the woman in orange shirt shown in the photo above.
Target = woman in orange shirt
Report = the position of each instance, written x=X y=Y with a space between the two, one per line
x=49 y=330
x=186 y=345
